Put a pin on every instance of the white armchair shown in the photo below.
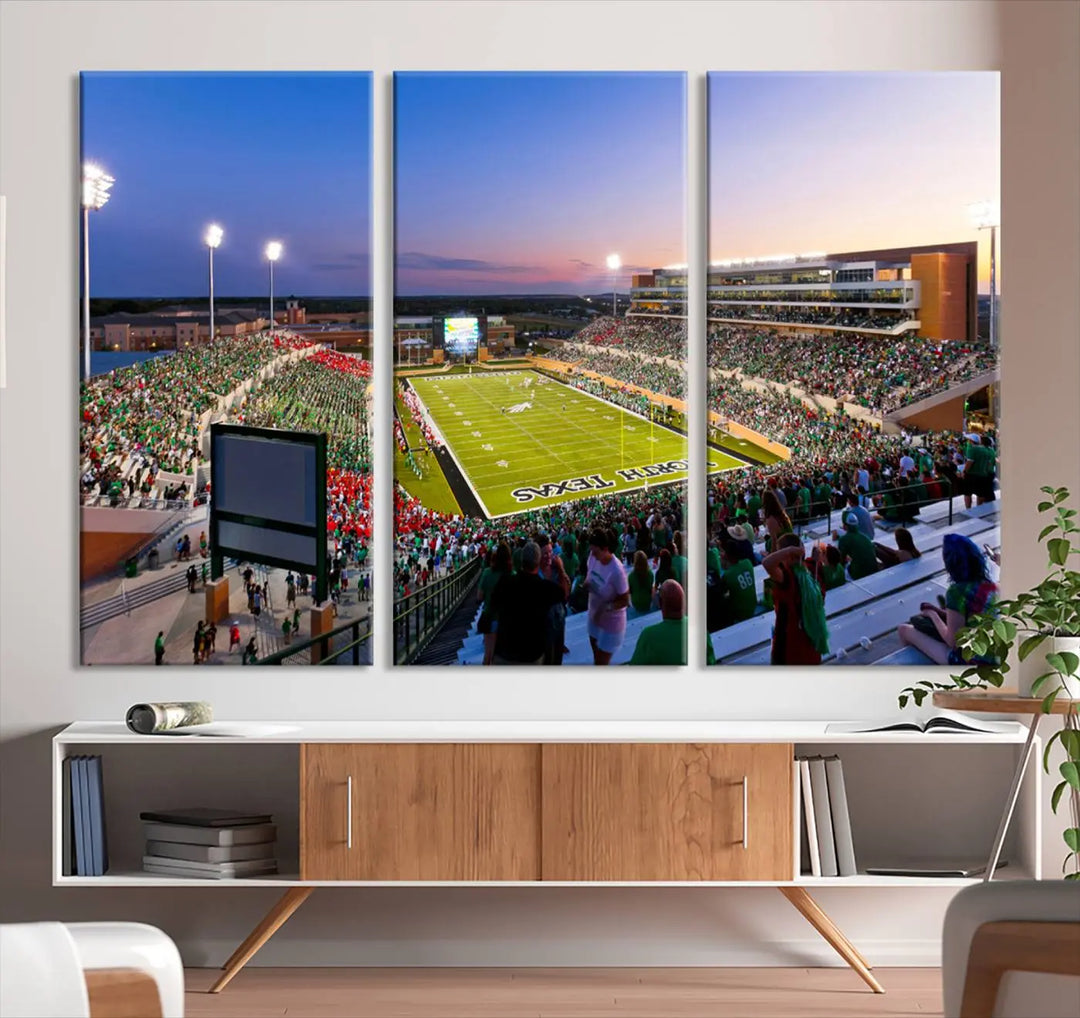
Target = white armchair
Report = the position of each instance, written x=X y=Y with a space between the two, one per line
x=88 y=970
x=1012 y=950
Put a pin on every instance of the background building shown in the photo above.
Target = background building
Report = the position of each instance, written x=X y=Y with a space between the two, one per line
x=930 y=291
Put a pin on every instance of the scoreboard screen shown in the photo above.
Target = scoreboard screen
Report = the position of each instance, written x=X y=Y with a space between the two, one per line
x=461 y=336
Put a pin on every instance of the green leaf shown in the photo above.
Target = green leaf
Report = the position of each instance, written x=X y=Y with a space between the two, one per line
x=1047 y=530
x=1031 y=643
x=920 y=695
x=1071 y=773
x=1061 y=662
x=1046 y=489
x=1055 y=798
x=1058 y=550
x=1041 y=681
x=1043 y=506
x=1070 y=739
x=1046 y=749
x=903 y=701
x=1048 y=701
x=1060 y=495
x=1072 y=876
x=1072 y=838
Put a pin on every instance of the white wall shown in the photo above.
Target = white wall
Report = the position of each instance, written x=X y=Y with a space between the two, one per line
x=43 y=46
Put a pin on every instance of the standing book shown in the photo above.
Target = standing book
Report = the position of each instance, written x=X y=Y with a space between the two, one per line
x=808 y=813
x=67 y=864
x=841 y=818
x=99 y=850
x=823 y=818
x=81 y=788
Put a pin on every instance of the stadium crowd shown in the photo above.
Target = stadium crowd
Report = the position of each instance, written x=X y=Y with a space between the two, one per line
x=650 y=335
x=325 y=392
x=878 y=373
x=655 y=375
x=137 y=421
x=641 y=530
x=850 y=318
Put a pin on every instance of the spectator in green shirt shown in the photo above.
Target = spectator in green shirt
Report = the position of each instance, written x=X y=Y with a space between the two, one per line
x=980 y=462
x=856 y=549
x=678 y=559
x=665 y=642
x=737 y=585
x=833 y=571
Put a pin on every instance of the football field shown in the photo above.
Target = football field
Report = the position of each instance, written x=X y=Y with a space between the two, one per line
x=523 y=441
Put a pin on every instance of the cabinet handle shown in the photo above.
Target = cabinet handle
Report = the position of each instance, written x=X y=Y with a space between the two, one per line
x=745 y=813
x=348 y=812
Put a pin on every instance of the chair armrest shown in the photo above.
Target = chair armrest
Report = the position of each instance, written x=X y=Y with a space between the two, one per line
x=1049 y=948
x=122 y=993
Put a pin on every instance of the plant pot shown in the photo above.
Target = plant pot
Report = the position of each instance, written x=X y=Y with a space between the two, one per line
x=1036 y=665
x=1072 y=645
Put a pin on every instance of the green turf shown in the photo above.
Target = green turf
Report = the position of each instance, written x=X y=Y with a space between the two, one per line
x=558 y=435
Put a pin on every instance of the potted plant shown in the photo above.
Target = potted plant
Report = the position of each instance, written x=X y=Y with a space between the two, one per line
x=1047 y=616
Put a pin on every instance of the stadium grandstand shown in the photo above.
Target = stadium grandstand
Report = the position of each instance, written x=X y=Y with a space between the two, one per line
x=145 y=492
x=841 y=387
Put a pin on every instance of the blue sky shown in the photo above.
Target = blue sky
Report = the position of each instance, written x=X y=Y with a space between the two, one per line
x=843 y=162
x=525 y=182
x=267 y=156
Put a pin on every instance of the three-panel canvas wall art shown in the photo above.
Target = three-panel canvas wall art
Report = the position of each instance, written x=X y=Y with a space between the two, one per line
x=540 y=401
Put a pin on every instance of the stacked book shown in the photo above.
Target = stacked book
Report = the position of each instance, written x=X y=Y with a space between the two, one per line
x=828 y=849
x=85 y=853
x=213 y=844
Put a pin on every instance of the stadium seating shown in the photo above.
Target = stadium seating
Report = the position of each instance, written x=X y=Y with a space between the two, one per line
x=870 y=607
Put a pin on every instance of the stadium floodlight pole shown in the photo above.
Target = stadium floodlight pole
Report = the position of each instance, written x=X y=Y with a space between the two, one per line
x=273 y=253
x=95 y=193
x=214 y=233
x=985 y=215
x=614 y=262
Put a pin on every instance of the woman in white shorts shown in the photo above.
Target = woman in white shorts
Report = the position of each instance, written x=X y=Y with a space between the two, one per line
x=609 y=594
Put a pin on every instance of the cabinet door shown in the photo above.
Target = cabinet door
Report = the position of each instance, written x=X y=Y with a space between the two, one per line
x=419 y=812
x=661 y=811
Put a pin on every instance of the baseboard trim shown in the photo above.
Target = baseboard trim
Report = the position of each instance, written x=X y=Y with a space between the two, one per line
x=609 y=952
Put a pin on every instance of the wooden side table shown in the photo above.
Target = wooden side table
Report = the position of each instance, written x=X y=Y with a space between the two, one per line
x=1004 y=701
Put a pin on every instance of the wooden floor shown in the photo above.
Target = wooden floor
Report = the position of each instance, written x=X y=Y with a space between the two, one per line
x=564 y=993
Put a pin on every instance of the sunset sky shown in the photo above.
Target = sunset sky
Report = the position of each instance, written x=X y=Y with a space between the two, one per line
x=267 y=156
x=841 y=162
x=524 y=183
x=520 y=183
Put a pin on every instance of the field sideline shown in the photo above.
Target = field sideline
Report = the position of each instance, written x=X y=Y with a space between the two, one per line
x=524 y=441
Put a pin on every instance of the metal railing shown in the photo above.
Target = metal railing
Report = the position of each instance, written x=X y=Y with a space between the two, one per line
x=911 y=504
x=141 y=502
x=419 y=616
x=358 y=634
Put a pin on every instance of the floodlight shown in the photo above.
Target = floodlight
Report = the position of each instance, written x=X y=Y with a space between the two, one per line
x=95 y=186
x=214 y=233
x=614 y=262
x=273 y=250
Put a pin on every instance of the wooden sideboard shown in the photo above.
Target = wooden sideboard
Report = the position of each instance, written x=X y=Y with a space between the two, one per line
x=566 y=812
x=702 y=804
